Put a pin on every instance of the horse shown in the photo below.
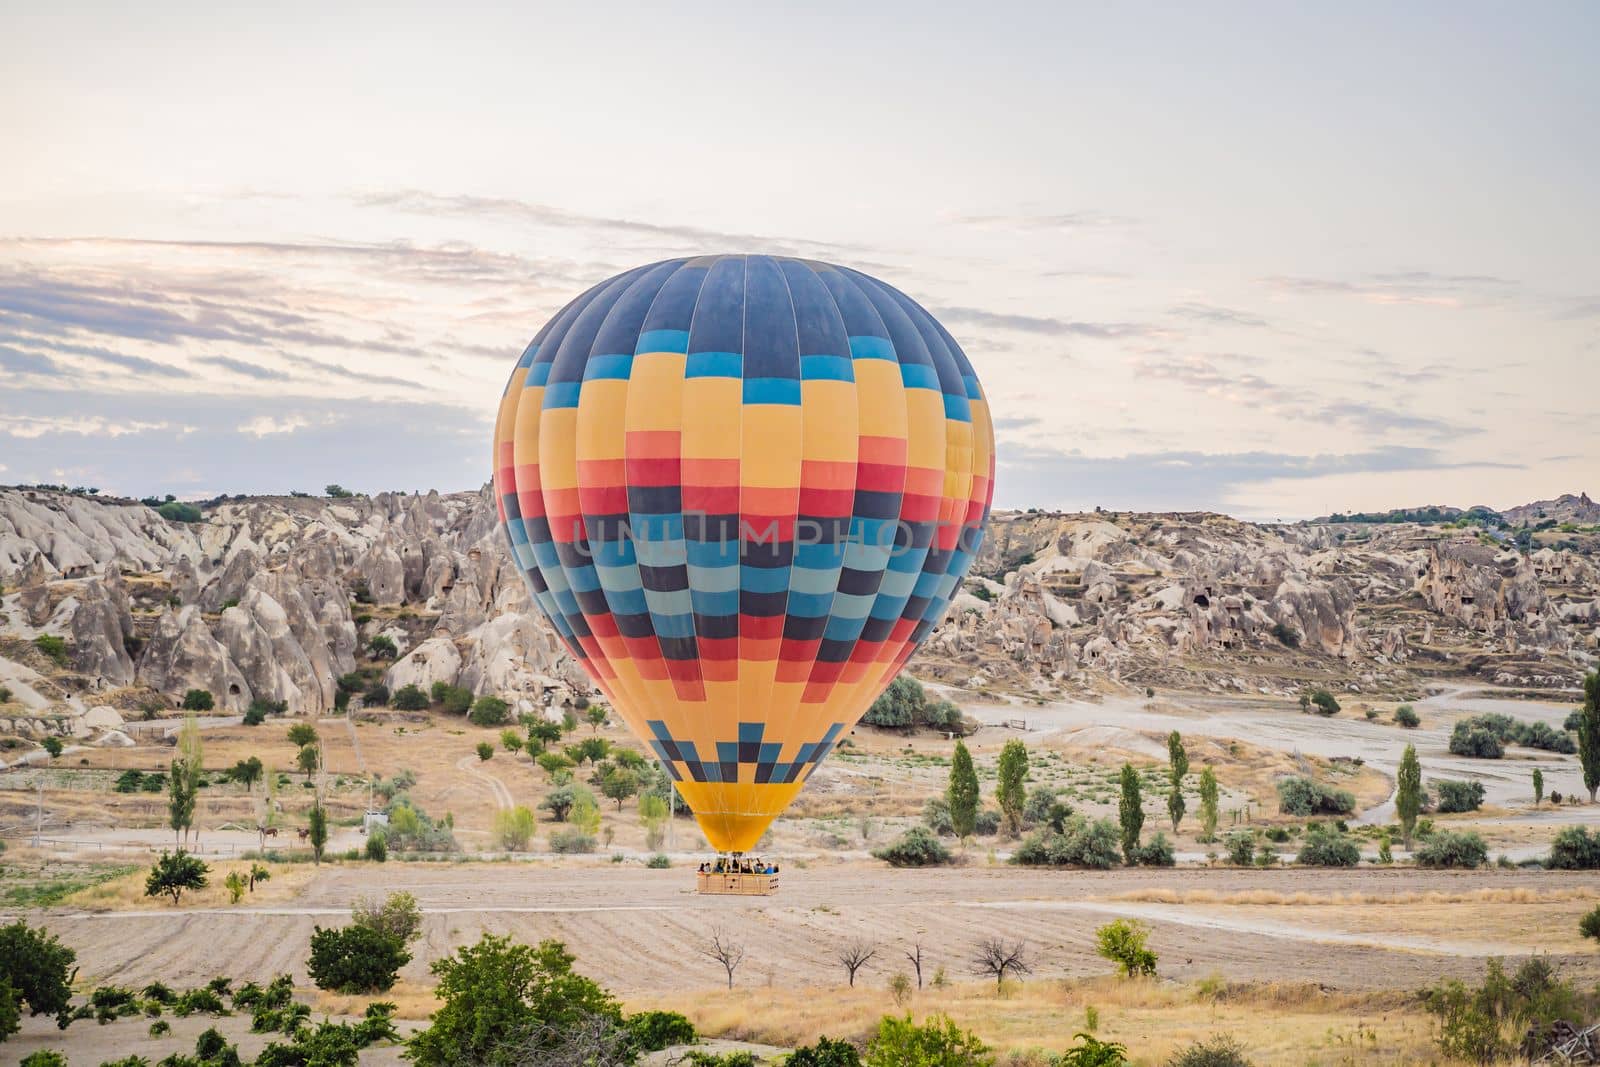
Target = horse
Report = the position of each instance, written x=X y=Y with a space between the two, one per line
x=304 y=833
x=269 y=831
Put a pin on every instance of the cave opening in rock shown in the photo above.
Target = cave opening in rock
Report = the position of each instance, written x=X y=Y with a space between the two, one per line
x=233 y=690
x=1201 y=600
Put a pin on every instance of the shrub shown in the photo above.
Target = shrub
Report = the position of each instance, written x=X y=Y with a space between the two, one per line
x=1455 y=796
x=937 y=1042
x=485 y=751
x=1241 y=847
x=177 y=511
x=376 y=695
x=513 y=828
x=198 y=700
x=1328 y=848
x=489 y=711
x=571 y=840
x=653 y=1031
x=382 y=647
x=827 y=1052
x=255 y=715
x=1218 y=1051
x=1090 y=1051
x=1589 y=925
x=1475 y=741
x=174 y=872
x=1122 y=941
x=1302 y=796
x=455 y=699
x=987 y=823
x=1445 y=849
x=659 y=862
x=52 y=646
x=408 y=698
x=917 y=847
x=1079 y=843
x=355 y=959
x=1406 y=716
x=1157 y=852
x=1324 y=702
x=43 y=1058
x=1285 y=635
x=936 y=817
x=1575 y=849
x=1041 y=801
x=199 y=1001
x=377 y=846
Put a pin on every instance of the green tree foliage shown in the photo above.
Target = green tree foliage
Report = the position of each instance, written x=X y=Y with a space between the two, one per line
x=1122 y=941
x=1079 y=843
x=397 y=916
x=1589 y=734
x=308 y=759
x=355 y=959
x=558 y=802
x=485 y=751
x=935 y=1042
x=1408 y=794
x=198 y=700
x=1327 y=847
x=1011 y=791
x=653 y=1031
x=592 y=749
x=1324 y=702
x=501 y=1002
x=1458 y=796
x=1209 y=800
x=962 y=792
x=618 y=784
x=1484 y=1024
x=904 y=705
x=1240 y=846
x=827 y=1052
x=1476 y=741
x=453 y=699
x=917 y=847
x=1589 y=925
x=1220 y=1050
x=247 y=772
x=1406 y=716
x=377 y=846
x=1130 y=814
x=38 y=970
x=542 y=732
x=54 y=647
x=1574 y=849
x=176 y=511
x=317 y=821
x=1302 y=796
x=53 y=746
x=408 y=698
x=337 y=492
x=1178 y=769
x=174 y=872
x=585 y=813
x=1538 y=787
x=302 y=734
x=489 y=711
x=235 y=884
x=596 y=715
x=1444 y=849
x=513 y=828
x=382 y=646
x=1157 y=852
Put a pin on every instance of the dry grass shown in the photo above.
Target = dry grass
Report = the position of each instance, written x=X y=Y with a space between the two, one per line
x=1278 y=1023
x=127 y=892
x=411 y=1001
x=1519 y=895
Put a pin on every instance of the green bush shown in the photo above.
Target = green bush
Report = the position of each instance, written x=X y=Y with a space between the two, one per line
x=936 y=1042
x=176 y=511
x=1324 y=702
x=917 y=847
x=36 y=969
x=485 y=751
x=489 y=711
x=1157 y=852
x=1096 y=845
x=571 y=840
x=43 y=1058
x=1477 y=742
x=513 y=828
x=408 y=698
x=1089 y=1051
x=355 y=959
x=173 y=872
x=659 y=862
x=1324 y=847
x=1122 y=941
x=1575 y=849
x=1240 y=846
x=827 y=1052
x=1446 y=849
x=1406 y=716
x=1589 y=925
x=1218 y=1051
x=936 y=816
x=52 y=646
x=653 y=1031
x=377 y=846
x=198 y=700
x=1302 y=796
x=1457 y=796
x=454 y=699
x=383 y=647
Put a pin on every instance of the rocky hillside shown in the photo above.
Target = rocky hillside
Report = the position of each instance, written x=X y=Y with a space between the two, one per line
x=278 y=598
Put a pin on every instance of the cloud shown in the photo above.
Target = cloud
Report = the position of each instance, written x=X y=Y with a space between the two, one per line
x=1049 y=327
x=15 y=361
x=1068 y=220
x=1403 y=287
x=345 y=373
x=29 y=427
x=249 y=370
x=1220 y=316
x=1028 y=476
x=266 y=425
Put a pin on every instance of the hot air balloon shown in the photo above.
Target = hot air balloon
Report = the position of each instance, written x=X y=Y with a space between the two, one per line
x=743 y=490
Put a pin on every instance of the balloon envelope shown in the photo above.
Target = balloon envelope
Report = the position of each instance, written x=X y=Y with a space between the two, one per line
x=743 y=490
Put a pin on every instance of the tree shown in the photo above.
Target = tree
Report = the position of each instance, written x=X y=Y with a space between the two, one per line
x=337 y=492
x=1178 y=761
x=914 y=957
x=302 y=734
x=1122 y=941
x=318 y=823
x=38 y=970
x=235 y=883
x=382 y=646
x=938 y=1042
x=558 y=802
x=174 y=872
x=53 y=746
x=1589 y=734
x=247 y=772
x=542 y=732
x=827 y=1052
x=1130 y=814
x=619 y=783
x=180 y=801
x=307 y=759
x=355 y=959
x=1208 y=805
x=917 y=847
x=1408 y=794
x=552 y=763
x=585 y=813
x=726 y=951
x=593 y=749
x=853 y=955
x=1324 y=702
x=489 y=711
x=408 y=698
x=513 y=828
x=397 y=917
x=1589 y=925
x=596 y=715
x=1406 y=716
x=485 y=751
x=198 y=700
x=257 y=874
x=504 y=1003
x=996 y=958
x=511 y=741
x=1538 y=787
x=962 y=792
x=1009 y=791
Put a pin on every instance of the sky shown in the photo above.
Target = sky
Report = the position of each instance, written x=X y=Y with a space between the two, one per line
x=1274 y=259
